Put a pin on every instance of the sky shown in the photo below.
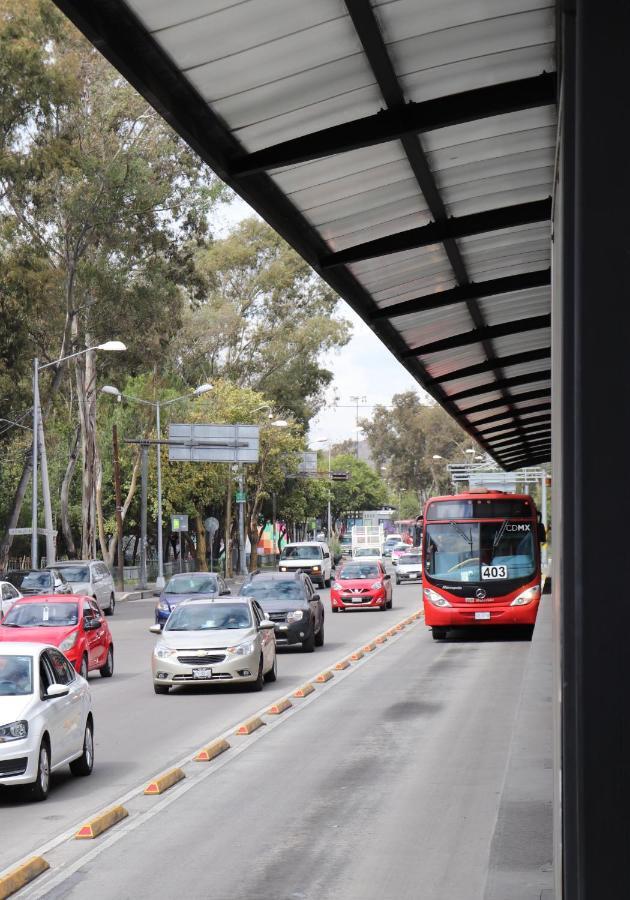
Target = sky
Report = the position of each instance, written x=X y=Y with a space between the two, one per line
x=363 y=368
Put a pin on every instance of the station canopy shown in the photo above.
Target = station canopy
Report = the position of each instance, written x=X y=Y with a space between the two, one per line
x=404 y=147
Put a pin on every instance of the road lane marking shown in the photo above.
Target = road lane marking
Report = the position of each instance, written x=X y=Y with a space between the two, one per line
x=101 y=823
x=22 y=875
x=163 y=782
x=61 y=872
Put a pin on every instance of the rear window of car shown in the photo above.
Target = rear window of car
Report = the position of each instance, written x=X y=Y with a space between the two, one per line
x=272 y=588
x=46 y=615
x=410 y=559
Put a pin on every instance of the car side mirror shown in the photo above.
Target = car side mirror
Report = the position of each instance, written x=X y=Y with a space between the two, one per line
x=88 y=624
x=265 y=624
x=57 y=690
x=155 y=629
x=387 y=577
x=315 y=597
x=226 y=591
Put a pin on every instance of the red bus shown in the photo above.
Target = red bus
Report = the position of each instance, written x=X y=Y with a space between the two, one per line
x=481 y=560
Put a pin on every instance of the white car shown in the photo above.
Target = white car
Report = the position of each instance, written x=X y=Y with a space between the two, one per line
x=310 y=557
x=45 y=717
x=92 y=578
x=409 y=568
x=215 y=641
x=367 y=554
x=8 y=595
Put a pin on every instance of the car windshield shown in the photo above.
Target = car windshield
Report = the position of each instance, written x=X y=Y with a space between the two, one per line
x=192 y=584
x=480 y=551
x=367 y=551
x=16 y=675
x=37 y=580
x=209 y=617
x=410 y=559
x=263 y=590
x=51 y=615
x=76 y=574
x=309 y=551
x=359 y=571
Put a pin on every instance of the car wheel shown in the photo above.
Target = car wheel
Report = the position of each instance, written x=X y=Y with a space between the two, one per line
x=83 y=671
x=108 y=669
x=327 y=582
x=39 y=789
x=161 y=688
x=308 y=645
x=390 y=603
x=438 y=634
x=335 y=610
x=112 y=606
x=272 y=674
x=398 y=581
x=319 y=637
x=259 y=684
x=84 y=764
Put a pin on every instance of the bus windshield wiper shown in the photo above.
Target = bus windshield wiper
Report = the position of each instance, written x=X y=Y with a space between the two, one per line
x=462 y=533
x=499 y=535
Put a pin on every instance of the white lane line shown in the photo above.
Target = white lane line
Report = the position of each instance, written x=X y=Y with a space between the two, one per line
x=52 y=880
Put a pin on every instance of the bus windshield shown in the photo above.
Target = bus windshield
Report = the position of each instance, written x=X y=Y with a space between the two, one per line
x=480 y=551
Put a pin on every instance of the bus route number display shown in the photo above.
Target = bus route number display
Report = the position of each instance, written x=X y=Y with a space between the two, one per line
x=491 y=573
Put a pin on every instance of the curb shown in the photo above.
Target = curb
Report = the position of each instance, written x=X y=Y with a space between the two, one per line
x=22 y=875
x=101 y=823
x=164 y=782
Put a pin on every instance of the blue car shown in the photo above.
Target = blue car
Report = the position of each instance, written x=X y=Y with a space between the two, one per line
x=185 y=585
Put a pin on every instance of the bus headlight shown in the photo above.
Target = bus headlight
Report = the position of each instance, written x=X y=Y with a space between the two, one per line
x=435 y=598
x=532 y=593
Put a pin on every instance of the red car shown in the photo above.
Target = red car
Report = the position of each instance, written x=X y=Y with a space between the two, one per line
x=73 y=623
x=361 y=585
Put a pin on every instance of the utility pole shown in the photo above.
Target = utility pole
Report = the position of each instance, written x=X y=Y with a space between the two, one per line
x=144 y=450
x=241 y=526
x=273 y=530
x=119 y=520
x=228 y=526
x=357 y=400
x=34 y=548
x=48 y=519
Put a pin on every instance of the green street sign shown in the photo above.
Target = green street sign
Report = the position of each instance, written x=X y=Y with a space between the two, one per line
x=179 y=523
x=241 y=496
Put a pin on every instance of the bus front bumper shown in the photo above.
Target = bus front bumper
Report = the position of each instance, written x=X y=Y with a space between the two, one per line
x=479 y=615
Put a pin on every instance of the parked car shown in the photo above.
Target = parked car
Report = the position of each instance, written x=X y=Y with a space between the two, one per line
x=211 y=641
x=8 y=595
x=409 y=567
x=311 y=557
x=74 y=624
x=46 y=716
x=289 y=600
x=188 y=584
x=92 y=578
x=39 y=581
x=361 y=585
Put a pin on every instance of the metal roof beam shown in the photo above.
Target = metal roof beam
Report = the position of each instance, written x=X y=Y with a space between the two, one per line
x=530 y=409
x=542 y=375
x=516 y=398
x=394 y=123
x=460 y=294
x=506 y=427
x=489 y=332
x=509 y=436
x=536 y=436
x=449 y=229
x=504 y=362
x=518 y=454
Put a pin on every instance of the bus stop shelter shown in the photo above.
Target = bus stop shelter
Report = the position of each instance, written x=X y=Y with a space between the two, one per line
x=457 y=171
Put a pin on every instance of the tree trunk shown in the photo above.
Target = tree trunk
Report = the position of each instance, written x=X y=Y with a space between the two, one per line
x=14 y=515
x=65 y=494
x=200 y=553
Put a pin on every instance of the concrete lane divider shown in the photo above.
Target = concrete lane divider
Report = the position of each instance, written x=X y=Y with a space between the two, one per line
x=21 y=875
x=101 y=823
x=381 y=639
x=341 y=665
x=279 y=707
x=358 y=654
x=304 y=691
x=391 y=632
x=164 y=782
x=368 y=648
x=249 y=726
x=212 y=750
x=324 y=676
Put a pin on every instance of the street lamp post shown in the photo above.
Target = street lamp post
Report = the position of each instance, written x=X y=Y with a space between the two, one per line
x=157 y=405
x=324 y=441
x=38 y=437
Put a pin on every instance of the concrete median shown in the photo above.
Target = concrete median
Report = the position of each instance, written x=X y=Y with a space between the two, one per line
x=22 y=875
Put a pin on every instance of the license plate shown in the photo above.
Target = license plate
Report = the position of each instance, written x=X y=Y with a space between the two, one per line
x=356 y=600
x=482 y=615
x=202 y=673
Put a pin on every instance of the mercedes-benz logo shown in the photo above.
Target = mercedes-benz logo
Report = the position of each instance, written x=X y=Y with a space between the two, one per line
x=480 y=594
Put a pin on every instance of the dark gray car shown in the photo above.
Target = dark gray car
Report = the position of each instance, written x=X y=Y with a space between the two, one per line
x=291 y=603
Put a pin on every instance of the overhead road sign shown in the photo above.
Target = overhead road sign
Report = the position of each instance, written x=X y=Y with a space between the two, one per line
x=214 y=443
x=41 y=531
x=308 y=462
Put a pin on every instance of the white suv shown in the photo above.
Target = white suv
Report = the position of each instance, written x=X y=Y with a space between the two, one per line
x=92 y=578
x=310 y=557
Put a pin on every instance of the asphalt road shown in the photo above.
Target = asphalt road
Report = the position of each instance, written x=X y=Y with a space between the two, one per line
x=139 y=734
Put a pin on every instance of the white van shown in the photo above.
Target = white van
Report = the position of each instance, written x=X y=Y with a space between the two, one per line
x=310 y=557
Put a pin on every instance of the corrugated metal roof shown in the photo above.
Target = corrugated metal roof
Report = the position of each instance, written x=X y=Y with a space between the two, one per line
x=404 y=147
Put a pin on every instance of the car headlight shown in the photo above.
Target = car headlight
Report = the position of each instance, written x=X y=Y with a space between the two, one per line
x=244 y=649
x=295 y=615
x=435 y=598
x=14 y=731
x=69 y=642
x=163 y=651
x=532 y=593
x=315 y=568
x=336 y=586
x=283 y=568
x=376 y=585
x=163 y=606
